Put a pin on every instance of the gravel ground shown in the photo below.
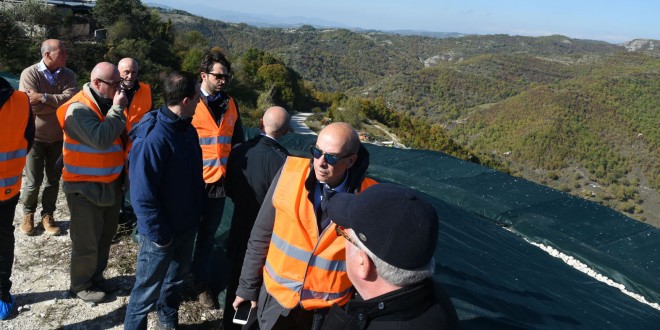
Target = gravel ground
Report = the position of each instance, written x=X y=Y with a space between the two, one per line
x=41 y=281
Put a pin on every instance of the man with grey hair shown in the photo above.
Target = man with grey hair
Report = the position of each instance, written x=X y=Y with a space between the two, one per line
x=139 y=103
x=48 y=84
x=391 y=234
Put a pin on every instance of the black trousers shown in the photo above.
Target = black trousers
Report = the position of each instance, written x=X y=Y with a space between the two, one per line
x=7 y=209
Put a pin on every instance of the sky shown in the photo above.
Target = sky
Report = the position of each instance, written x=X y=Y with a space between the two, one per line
x=606 y=20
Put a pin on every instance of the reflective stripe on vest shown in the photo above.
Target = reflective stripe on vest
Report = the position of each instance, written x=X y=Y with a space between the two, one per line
x=214 y=140
x=85 y=163
x=303 y=266
x=14 y=116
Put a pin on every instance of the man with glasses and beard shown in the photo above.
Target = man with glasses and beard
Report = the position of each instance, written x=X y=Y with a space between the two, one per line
x=218 y=125
x=93 y=154
x=295 y=264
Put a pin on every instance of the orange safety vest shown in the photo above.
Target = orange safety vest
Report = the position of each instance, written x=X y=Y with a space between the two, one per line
x=14 y=116
x=301 y=267
x=140 y=104
x=215 y=141
x=82 y=162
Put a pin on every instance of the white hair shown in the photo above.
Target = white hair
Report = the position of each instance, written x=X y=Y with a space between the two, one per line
x=394 y=275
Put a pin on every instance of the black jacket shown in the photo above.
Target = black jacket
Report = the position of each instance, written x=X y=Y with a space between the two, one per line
x=250 y=170
x=423 y=306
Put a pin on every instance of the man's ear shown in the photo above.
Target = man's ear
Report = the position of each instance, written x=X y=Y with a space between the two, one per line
x=351 y=160
x=365 y=266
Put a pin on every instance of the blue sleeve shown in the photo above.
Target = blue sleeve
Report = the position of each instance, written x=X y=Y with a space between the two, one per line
x=146 y=168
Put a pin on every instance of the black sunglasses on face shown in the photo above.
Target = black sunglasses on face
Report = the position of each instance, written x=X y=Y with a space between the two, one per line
x=111 y=84
x=220 y=76
x=329 y=158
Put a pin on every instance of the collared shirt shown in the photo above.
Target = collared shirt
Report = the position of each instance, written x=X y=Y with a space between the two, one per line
x=318 y=194
x=268 y=136
x=50 y=76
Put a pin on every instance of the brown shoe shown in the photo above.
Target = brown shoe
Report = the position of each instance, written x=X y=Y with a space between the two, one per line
x=49 y=225
x=27 y=227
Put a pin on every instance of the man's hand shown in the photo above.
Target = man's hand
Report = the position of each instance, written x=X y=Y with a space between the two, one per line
x=35 y=98
x=240 y=300
x=120 y=98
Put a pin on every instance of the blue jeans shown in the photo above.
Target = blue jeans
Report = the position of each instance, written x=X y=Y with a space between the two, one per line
x=159 y=274
x=202 y=264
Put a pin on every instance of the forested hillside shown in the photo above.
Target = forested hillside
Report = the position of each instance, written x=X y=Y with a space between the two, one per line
x=581 y=116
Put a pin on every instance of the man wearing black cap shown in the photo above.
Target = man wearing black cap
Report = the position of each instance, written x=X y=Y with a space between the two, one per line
x=391 y=235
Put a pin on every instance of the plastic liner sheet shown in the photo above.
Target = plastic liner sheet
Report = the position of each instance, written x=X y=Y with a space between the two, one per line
x=496 y=279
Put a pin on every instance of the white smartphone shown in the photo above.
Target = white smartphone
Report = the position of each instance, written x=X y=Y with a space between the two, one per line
x=243 y=313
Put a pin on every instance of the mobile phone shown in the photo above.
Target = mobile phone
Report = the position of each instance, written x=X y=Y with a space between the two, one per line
x=243 y=313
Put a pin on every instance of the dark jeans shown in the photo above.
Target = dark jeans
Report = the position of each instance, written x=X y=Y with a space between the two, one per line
x=202 y=265
x=41 y=158
x=92 y=229
x=7 y=209
x=160 y=272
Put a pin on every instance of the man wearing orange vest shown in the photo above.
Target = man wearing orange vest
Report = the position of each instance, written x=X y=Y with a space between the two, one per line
x=219 y=128
x=15 y=142
x=93 y=122
x=139 y=103
x=295 y=263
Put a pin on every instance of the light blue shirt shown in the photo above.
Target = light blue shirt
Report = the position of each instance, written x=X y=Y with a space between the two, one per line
x=50 y=76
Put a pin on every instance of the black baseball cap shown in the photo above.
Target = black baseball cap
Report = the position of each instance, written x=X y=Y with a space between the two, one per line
x=392 y=221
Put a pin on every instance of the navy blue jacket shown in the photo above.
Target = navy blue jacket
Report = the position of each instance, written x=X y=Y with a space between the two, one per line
x=165 y=168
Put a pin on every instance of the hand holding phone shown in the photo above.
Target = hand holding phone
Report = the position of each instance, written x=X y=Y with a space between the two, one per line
x=242 y=313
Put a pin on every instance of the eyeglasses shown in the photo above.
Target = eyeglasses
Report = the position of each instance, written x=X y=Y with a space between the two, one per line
x=329 y=158
x=111 y=84
x=220 y=76
x=340 y=232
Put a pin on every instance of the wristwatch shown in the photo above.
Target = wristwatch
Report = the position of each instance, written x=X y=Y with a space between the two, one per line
x=43 y=98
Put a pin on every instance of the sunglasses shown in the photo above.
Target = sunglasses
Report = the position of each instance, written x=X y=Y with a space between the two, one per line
x=340 y=232
x=111 y=84
x=220 y=76
x=329 y=158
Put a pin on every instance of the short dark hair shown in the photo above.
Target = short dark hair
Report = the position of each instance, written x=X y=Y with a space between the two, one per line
x=214 y=56
x=178 y=86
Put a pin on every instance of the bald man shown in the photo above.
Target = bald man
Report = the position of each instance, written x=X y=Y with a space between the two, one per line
x=295 y=263
x=93 y=122
x=250 y=170
x=139 y=103
x=48 y=84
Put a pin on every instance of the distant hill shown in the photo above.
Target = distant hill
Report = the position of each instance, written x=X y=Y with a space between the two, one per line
x=581 y=116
